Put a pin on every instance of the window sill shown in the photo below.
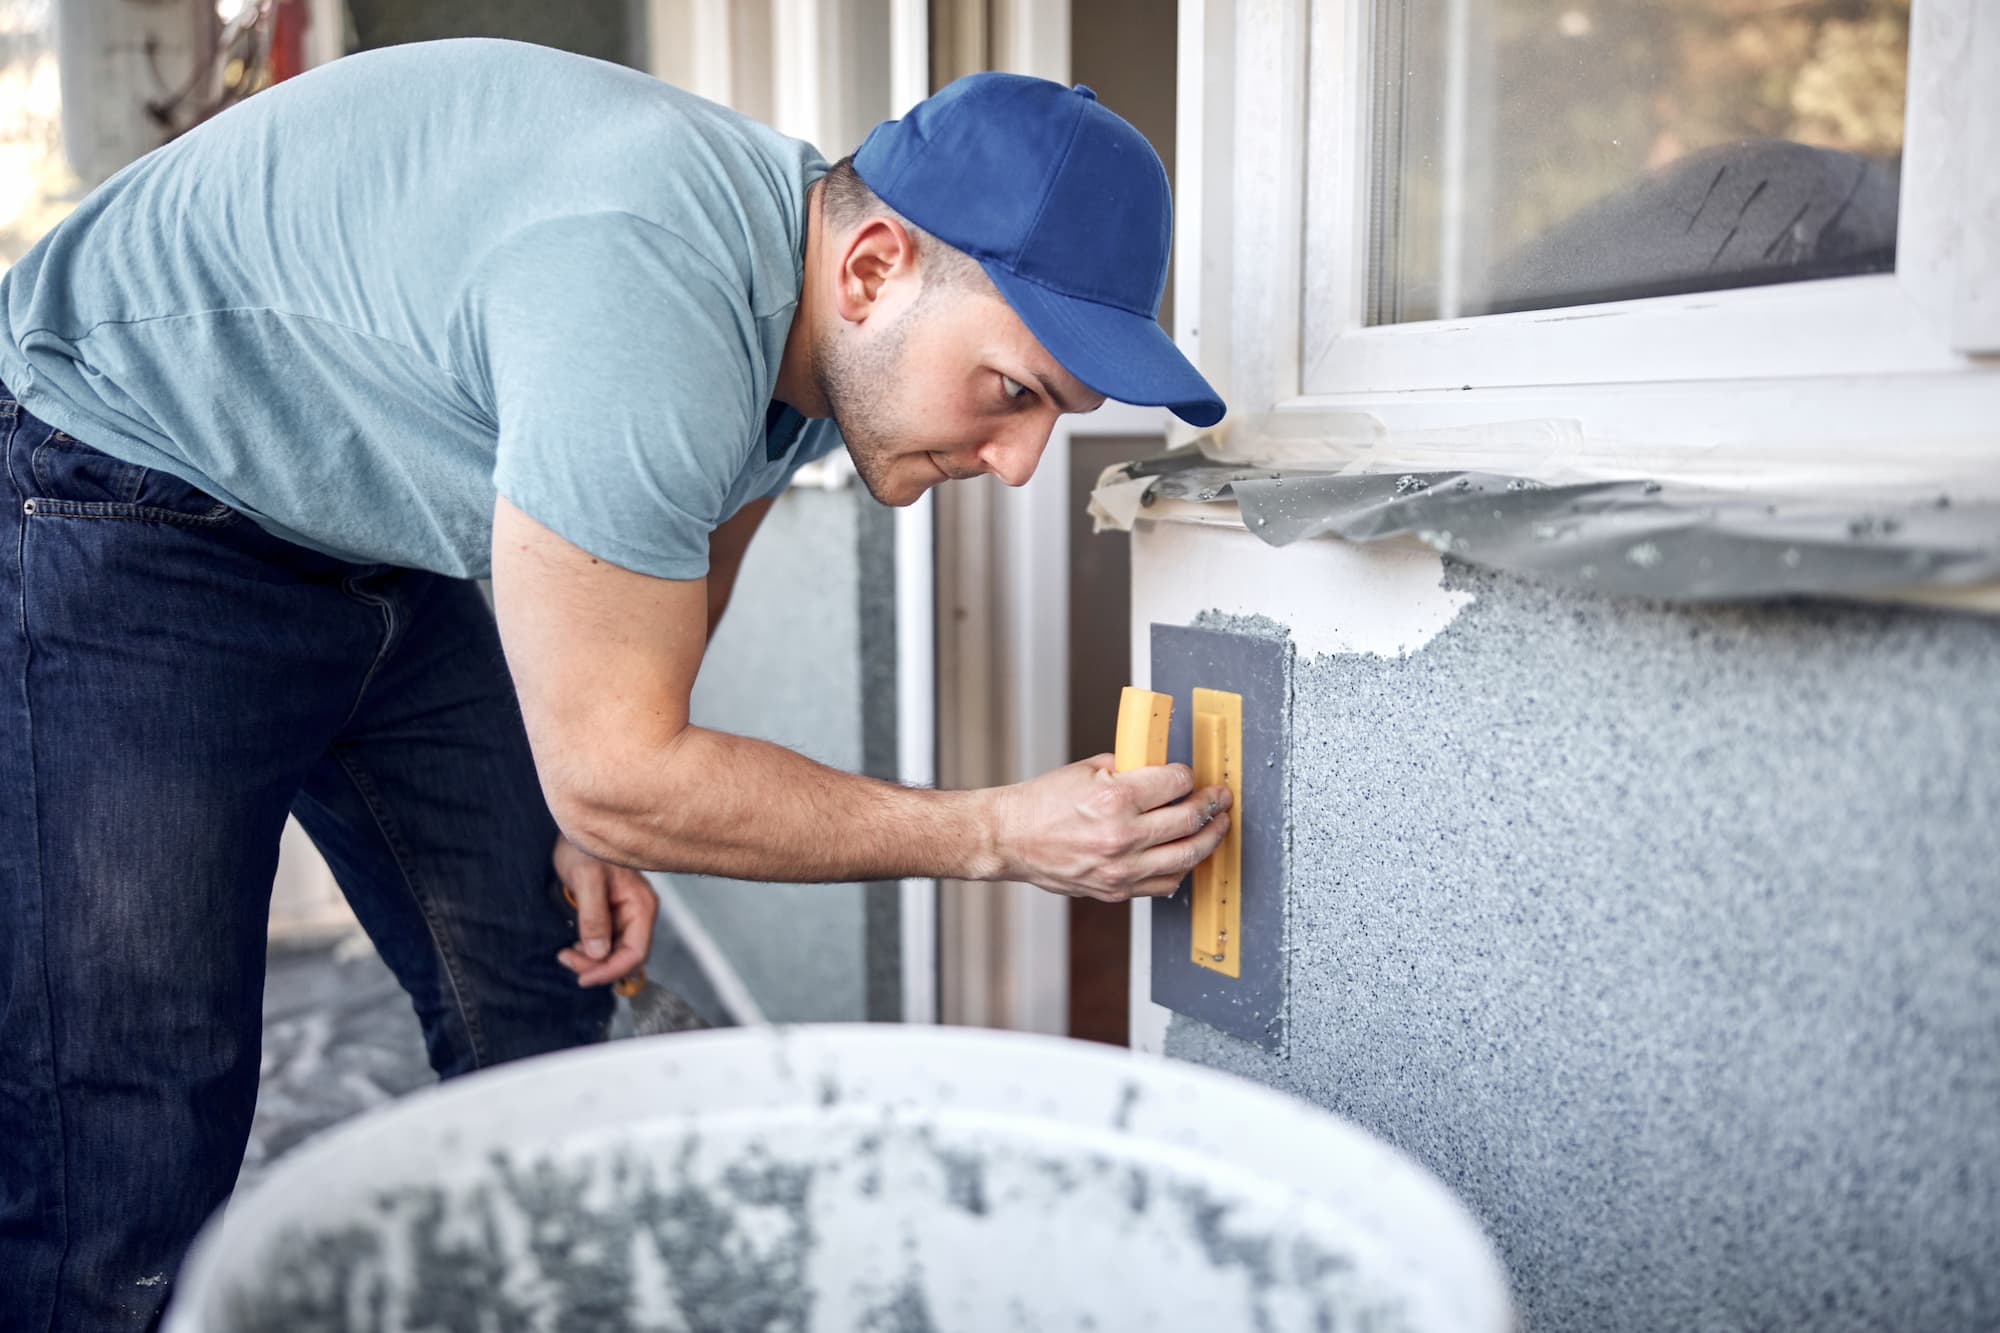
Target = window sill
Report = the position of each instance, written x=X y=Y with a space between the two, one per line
x=1623 y=537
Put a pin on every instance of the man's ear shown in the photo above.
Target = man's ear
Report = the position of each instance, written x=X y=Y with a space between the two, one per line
x=879 y=257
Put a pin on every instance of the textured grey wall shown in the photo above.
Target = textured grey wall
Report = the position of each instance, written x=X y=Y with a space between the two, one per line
x=787 y=665
x=1668 y=938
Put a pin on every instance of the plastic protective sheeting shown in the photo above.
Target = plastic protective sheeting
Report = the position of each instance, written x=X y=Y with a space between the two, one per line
x=1628 y=537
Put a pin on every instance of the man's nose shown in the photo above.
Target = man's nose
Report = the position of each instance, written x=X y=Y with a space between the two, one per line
x=1012 y=456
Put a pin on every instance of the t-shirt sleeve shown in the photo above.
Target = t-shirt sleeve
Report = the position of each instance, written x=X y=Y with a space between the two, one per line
x=621 y=366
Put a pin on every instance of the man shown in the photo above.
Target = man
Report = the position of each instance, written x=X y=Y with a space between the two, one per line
x=274 y=393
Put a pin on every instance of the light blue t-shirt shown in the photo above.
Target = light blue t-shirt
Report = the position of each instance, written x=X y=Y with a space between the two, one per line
x=361 y=302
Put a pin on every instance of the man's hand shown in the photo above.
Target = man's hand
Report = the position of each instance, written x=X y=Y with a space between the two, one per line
x=1088 y=832
x=614 y=916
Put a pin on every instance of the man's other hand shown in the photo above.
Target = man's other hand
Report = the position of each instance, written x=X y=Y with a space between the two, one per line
x=1089 y=832
x=615 y=907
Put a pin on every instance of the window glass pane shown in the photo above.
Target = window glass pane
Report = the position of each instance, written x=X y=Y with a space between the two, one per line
x=1542 y=153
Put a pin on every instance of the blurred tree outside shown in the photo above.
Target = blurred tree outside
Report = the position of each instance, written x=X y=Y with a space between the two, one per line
x=1593 y=94
x=37 y=187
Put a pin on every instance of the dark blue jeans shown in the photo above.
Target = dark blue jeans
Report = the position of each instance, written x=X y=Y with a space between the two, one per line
x=173 y=681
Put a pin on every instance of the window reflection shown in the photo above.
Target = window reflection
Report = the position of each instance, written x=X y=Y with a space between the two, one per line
x=1542 y=153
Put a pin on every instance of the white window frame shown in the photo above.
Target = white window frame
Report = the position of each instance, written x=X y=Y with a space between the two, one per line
x=1813 y=379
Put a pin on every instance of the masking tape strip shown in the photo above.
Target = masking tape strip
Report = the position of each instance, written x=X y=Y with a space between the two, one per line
x=1629 y=537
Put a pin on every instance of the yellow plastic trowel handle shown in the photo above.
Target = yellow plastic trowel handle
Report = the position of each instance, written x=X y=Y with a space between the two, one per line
x=1216 y=915
x=1143 y=718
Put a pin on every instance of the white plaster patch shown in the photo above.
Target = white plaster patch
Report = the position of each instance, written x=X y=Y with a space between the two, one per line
x=1384 y=598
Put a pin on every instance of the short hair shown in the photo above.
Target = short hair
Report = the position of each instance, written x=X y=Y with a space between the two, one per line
x=846 y=202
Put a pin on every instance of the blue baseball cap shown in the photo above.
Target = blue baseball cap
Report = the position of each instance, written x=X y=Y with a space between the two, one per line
x=1066 y=207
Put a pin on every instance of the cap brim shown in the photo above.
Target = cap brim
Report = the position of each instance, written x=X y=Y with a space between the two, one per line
x=1115 y=352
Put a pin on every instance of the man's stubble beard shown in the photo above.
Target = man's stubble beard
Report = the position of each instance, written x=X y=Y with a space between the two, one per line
x=857 y=380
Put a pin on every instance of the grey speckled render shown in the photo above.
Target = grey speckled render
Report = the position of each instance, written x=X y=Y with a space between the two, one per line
x=1667 y=938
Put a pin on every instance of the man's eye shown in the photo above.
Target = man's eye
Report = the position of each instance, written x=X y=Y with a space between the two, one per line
x=1012 y=388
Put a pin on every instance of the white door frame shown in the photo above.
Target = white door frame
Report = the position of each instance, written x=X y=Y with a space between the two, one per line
x=916 y=599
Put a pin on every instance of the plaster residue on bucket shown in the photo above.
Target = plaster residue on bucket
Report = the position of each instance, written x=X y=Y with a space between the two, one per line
x=843 y=1178
x=889 y=1222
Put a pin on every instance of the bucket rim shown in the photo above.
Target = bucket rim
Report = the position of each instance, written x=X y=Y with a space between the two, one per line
x=603 y=1082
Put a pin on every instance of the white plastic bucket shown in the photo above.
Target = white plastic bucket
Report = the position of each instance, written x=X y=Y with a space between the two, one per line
x=845 y=1177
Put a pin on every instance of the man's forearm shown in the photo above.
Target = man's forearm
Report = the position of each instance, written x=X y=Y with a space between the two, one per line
x=603 y=661
x=713 y=803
